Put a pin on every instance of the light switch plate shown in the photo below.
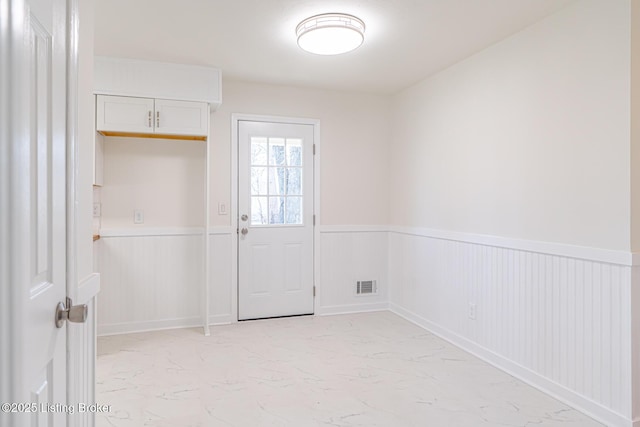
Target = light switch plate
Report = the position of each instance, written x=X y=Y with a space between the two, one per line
x=222 y=209
x=97 y=211
x=138 y=216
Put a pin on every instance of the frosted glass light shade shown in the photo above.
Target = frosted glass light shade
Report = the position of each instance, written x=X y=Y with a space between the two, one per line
x=330 y=33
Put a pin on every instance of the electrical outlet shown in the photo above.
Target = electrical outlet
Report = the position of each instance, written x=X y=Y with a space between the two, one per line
x=138 y=216
x=222 y=209
x=472 y=310
x=97 y=210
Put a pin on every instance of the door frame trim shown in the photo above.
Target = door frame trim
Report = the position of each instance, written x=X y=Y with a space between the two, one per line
x=233 y=211
x=11 y=204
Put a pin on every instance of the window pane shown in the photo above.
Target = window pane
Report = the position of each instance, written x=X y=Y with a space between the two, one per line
x=276 y=181
x=294 y=152
x=259 y=211
x=276 y=151
x=259 y=151
x=258 y=181
x=294 y=210
x=276 y=210
x=294 y=181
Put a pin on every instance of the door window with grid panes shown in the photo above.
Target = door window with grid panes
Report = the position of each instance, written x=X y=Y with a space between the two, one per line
x=276 y=181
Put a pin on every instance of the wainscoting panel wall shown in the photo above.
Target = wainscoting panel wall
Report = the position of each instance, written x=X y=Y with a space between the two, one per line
x=150 y=281
x=561 y=323
x=349 y=255
x=560 y=318
x=221 y=291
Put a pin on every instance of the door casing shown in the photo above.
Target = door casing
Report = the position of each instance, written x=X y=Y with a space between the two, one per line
x=233 y=211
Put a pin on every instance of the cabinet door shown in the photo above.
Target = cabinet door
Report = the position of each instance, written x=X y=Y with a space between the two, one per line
x=124 y=114
x=181 y=117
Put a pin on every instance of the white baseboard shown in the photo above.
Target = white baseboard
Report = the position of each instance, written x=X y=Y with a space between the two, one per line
x=147 y=326
x=221 y=319
x=351 y=308
x=563 y=394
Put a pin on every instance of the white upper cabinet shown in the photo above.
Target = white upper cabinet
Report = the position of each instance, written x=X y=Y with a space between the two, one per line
x=123 y=114
x=181 y=117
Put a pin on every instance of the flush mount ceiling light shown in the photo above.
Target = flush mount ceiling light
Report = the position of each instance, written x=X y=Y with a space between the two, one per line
x=330 y=33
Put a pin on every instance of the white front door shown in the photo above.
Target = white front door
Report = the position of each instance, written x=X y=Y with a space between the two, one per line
x=33 y=252
x=275 y=206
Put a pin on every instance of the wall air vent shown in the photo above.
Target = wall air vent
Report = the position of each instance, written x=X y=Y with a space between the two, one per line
x=366 y=287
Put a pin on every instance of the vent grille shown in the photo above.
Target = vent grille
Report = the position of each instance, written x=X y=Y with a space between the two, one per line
x=366 y=287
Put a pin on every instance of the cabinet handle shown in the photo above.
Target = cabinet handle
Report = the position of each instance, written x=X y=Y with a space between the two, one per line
x=157 y=119
x=149 y=118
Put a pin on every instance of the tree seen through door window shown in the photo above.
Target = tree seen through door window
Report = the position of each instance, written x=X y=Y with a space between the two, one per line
x=276 y=181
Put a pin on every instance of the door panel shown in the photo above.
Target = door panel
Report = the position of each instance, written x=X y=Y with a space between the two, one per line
x=275 y=198
x=293 y=268
x=40 y=181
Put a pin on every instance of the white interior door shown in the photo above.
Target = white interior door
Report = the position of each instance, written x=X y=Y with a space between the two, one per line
x=275 y=206
x=34 y=247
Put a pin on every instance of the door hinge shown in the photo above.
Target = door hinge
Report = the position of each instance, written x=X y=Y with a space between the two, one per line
x=314 y=149
x=237 y=231
x=314 y=220
x=314 y=291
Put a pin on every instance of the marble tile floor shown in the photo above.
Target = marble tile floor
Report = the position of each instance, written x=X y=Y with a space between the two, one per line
x=369 y=369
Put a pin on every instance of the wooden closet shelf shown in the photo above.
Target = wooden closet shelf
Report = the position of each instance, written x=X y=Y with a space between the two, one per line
x=154 y=135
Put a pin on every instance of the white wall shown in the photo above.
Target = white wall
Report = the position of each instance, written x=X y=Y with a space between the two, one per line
x=528 y=144
x=164 y=178
x=635 y=198
x=635 y=127
x=354 y=139
x=528 y=139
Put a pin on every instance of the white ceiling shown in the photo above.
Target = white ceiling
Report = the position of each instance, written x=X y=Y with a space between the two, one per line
x=254 y=40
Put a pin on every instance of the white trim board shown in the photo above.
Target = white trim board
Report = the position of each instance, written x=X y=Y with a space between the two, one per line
x=151 y=232
x=221 y=319
x=87 y=288
x=148 y=326
x=147 y=79
x=354 y=229
x=220 y=230
x=334 y=310
x=550 y=248
x=608 y=256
